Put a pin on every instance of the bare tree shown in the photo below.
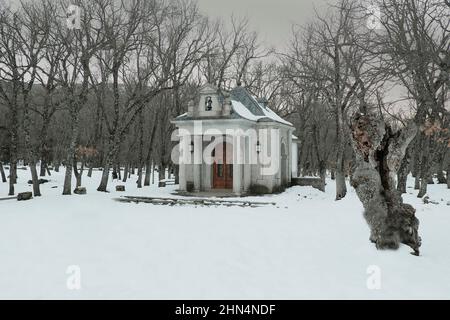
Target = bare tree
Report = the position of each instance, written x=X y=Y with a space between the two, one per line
x=80 y=46
x=415 y=41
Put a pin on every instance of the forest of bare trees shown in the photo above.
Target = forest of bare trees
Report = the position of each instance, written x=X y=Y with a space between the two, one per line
x=368 y=94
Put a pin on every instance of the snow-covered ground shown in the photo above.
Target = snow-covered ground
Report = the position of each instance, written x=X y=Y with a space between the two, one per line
x=307 y=247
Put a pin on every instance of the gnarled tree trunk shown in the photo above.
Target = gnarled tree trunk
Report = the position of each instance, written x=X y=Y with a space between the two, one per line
x=379 y=154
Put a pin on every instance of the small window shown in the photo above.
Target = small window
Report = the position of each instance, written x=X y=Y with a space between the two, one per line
x=208 y=104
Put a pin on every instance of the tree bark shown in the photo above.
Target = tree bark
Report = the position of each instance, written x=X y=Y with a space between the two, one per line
x=29 y=146
x=43 y=147
x=105 y=175
x=13 y=146
x=67 y=188
x=341 y=187
x=35 y=179
x=42 y=168
x=12 y=177
x=161 y=173
x=440 y=171
x=91 y=168
x=141 y=150
x=139 y=179
x=118 y=171
x=125 y=173
x=417 y=183
x=2 y=172
x=441 y=177
x=153 y=172
x=402 y=176
x=147 y=174
x=379 y=155
x=78 y=173
x=448 y=175
x=108 y=163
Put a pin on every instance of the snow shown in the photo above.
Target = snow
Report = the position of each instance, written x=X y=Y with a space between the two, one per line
x=273 y=116
x=307 y=247
x=242 y=111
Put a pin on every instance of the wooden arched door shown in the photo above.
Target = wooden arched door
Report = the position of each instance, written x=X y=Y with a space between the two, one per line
x=223 y=166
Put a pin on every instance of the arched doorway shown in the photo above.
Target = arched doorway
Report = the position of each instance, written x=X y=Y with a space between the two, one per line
x=222 y=166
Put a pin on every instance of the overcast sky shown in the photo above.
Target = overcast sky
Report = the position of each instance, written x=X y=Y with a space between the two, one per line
x=271 y=18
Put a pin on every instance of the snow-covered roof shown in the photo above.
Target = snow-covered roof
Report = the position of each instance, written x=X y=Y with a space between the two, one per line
x=247 y=107
x=268 y=115
x=244 y=106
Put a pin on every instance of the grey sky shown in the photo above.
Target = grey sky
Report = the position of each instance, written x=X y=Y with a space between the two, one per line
x=271 y=18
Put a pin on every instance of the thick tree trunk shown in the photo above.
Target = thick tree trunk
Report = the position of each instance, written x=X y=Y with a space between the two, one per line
x=379 y=156
x=2 y=172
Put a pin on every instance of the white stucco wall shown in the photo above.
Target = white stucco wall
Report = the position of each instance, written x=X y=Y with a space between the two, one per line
x=251 y=175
